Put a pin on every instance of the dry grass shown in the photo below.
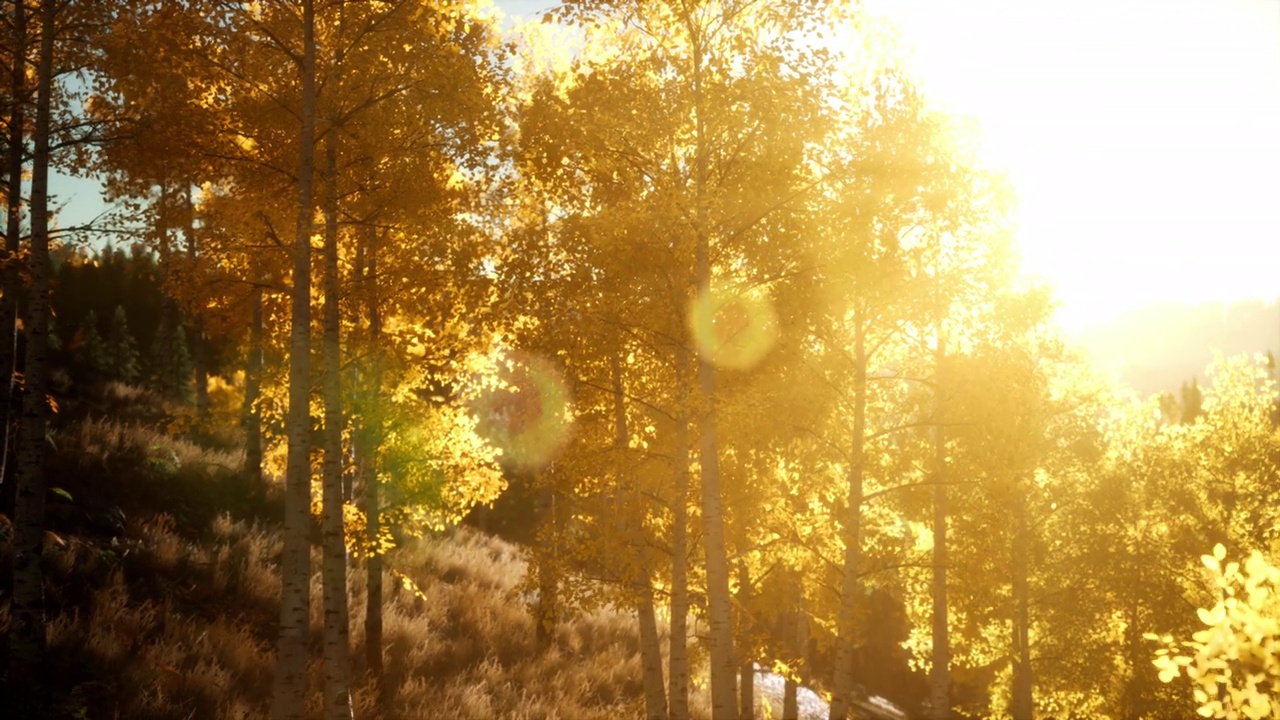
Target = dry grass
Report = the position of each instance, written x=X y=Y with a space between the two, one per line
x=464 y=647
x=175 y=618
x=146 y=471
x=161 y=627
x=156 y=626
x=101 y=441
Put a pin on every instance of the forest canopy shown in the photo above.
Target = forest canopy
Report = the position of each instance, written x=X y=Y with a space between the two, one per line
x=708 y=306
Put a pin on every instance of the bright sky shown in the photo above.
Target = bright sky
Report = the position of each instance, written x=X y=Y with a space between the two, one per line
x=1143 y=137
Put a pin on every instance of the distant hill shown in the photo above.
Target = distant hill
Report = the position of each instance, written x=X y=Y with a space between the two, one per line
x=1160 y=346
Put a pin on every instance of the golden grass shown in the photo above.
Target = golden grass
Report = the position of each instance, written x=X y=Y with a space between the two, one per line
x=170 y=621
x=104 y=442
x=465 y=648
x=146 y=470
x=150 y=627
x=162 y=627
x=175 y=618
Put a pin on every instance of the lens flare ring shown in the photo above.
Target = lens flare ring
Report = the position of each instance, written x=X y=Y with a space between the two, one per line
x=527 y=415
x=733 y=328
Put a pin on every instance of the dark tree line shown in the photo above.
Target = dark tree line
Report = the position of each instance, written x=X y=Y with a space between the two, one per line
x=113 y=320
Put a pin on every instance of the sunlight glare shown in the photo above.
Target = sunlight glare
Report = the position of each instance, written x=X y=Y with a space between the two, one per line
x=1143 y=138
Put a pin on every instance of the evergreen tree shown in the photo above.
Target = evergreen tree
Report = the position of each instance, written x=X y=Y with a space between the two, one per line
x=171 y=365
x=122 y=350
x=157 y=356
x=1192 y=400
x=183 y=367
x=1170 y=408
x=89 y=347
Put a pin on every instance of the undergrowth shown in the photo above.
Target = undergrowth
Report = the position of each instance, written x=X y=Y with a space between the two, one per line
x=162 y=577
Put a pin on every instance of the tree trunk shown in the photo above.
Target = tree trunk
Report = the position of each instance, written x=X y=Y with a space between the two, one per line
x=548 y=608
x=719 y=609
x=12 y=276
x=253 y=391
x=678 y=655
x=940 y=675
x=289 y=696
x=337 y=649
x=746 y=668
x=798 y=636
x=166 y=360
x=27 y=621
x=1023 y=700
x=199 y=359
x=367 y=456
x=655 y=700
x=790 y=632
x=1132 y=703
x=851 y=589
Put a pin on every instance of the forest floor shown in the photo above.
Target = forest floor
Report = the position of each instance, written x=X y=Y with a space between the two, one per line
x=162 y=590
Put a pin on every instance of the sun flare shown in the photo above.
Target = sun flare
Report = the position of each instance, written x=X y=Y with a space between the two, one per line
x=1141 y=138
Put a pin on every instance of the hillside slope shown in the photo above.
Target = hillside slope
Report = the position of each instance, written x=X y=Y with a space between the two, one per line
x=162 y=587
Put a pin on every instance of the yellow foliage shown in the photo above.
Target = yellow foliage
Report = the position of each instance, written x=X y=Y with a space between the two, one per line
x=226 y=397
x=181 y=423
x=408 y=584
x=358 y=542
x=1234 y=663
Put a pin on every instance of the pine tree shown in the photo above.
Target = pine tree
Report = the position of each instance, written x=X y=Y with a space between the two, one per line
x=158 y=356
x=171 y=366
x=122 y=350
x=183 y=367
x=90 y=348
